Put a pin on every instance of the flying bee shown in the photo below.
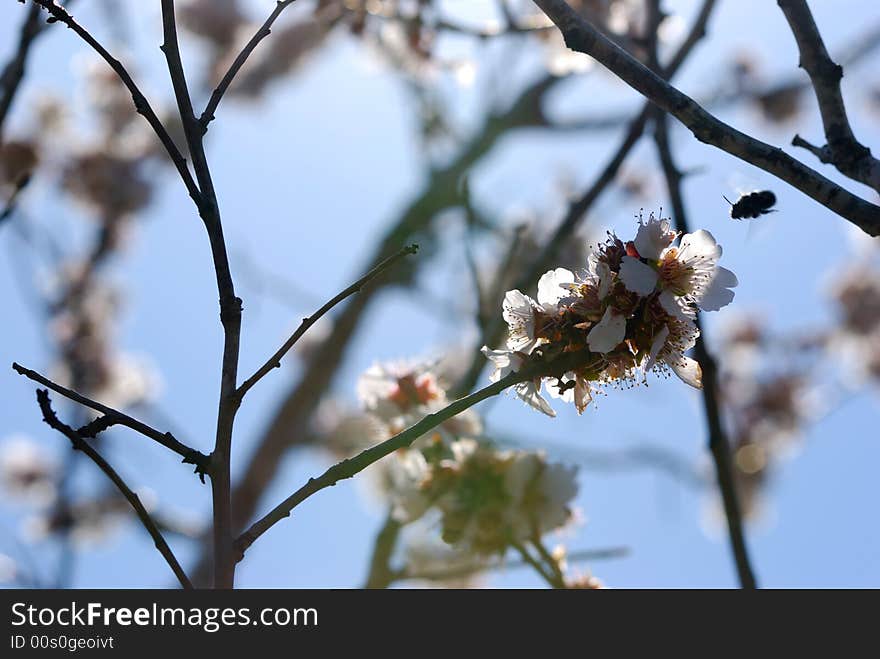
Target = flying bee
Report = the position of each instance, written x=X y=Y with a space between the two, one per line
x=752 y=205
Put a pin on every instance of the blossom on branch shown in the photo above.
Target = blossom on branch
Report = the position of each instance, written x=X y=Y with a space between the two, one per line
x=633 y=308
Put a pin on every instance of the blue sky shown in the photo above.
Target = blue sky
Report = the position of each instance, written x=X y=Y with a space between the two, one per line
x=307 y=198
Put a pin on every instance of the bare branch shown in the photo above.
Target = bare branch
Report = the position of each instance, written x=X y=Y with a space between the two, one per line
x=719 y=444
x=112 y=417
x=581 y=36
x=275 y=360
x=141 y=103
x=80 y=444
x=843 y=149
x=230 y=310
x=264 y=31
x=13 y=72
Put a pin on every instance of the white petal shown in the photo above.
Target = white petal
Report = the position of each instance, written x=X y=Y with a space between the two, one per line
x=656 y=347
x=637 y=277
x=607 y=333
x=505 y=362
x=689 y=371
x=699 y=244
x=550 y=289
x=530 y=392
x=674 y=306
x=519 y=312
x=718 y=293
x=583 y=394
x=653 y=237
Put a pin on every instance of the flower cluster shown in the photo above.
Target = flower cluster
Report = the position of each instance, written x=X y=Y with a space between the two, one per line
x=402 y=393
x=463 y=500
x=488 y=499
x=632 y=311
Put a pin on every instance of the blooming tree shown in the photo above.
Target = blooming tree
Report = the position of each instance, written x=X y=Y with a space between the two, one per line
x=560 y=315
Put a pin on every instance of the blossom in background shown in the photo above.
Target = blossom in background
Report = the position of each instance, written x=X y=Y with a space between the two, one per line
x=856 y=339
x=630 y=312
x=27 y=471
x=488 y=498
x=404 y=392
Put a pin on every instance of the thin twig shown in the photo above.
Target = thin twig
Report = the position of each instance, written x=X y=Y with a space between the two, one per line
x=467 y=570
x=265 y=29
x=844 y=151
x=80 y=444
x=112 y=417
x=553 y=580
x=275 y=360
x=582 y=37
x=719 y=444
x=141 y=103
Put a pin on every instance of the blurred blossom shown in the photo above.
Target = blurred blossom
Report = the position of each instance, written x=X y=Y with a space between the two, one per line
x=110 y=185
x=488 y=498
x=282 y=54
x=344 y=432
x=108 y=97
x=770 y=395
x=584 y=582
x=777 y=104
x=131 y=380
x=780 y=104
x=856 y=339
x=51 y=114
x=27 y=471
x=18 y=158
x=218 y=21
x=431 y=560
x=636 y=184
x=403 y=393
x=88 y=523
x=631 y=312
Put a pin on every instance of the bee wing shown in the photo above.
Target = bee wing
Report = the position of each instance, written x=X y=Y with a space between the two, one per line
x=741 y=183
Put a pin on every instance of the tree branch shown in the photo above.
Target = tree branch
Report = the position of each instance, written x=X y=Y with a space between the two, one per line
x=264 y=31
x=350 y=467
x=275 y=360
x=844 y=151
x=13 y=72
x=112 y=417
x=80 y=444
x=381 y=575
x=719 y=444
x=230 y=309
x=141 y=104
x=582 y=37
